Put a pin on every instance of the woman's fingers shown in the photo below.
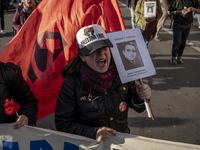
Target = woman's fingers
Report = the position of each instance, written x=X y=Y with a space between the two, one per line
x=21 y=121
x=144 y=91
x=104 y=133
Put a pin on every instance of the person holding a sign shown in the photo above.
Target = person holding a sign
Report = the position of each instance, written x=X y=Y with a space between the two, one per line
x=92 y=101
x=145 y=20
x=181 y=27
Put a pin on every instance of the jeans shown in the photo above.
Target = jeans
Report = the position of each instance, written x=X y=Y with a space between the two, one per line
x=143 y=32
x=179 y=40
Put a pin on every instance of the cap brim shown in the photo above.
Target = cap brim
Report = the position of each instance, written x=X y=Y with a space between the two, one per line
x=87 y=50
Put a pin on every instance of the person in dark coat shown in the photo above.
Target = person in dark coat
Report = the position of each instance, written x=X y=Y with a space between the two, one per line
x=92 y=101
x=13 y=87
x=181 y=27
x=3 y=7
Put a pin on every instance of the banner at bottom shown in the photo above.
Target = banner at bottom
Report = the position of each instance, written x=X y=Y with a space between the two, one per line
x=35 y=138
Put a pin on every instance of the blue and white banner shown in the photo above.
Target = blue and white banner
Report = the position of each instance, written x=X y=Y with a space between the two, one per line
x=33 y=138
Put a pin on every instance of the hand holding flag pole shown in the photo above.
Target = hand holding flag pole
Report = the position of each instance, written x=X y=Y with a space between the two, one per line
x=146 y=102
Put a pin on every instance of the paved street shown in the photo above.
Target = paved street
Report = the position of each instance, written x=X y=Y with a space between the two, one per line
x=175 y=89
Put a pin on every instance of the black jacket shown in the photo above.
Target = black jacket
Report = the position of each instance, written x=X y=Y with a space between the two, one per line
x=77 y=114
x=13 y=86
x=179 y=5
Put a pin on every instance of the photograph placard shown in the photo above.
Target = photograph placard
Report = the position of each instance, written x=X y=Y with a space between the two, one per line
x=150 y=9
x=131 y=55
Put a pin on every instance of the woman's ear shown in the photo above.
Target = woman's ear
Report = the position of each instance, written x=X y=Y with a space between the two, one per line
x=82 y=57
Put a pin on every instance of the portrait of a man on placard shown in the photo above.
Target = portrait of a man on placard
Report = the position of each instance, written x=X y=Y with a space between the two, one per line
x=130 y=55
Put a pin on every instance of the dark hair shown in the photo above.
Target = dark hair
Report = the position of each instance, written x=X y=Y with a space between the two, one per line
x=73 y=67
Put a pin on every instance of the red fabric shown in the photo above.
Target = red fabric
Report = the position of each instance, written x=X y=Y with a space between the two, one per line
x=46 y=42
x=11 y=107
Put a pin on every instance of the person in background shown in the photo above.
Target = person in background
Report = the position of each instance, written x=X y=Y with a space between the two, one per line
x=181 y=27
x=14 y=87
x=197 y=11
x=131 y=4
x=198 y=19
x=92 y=101
x=147 y=25
x=164 y=6
x=23 y=13
x=3 y=7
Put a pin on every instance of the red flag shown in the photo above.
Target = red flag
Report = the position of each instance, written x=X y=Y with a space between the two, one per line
x=46 y=42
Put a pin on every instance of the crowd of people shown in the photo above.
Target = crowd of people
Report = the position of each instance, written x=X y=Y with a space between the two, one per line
x=92 y=101
x=180 y=11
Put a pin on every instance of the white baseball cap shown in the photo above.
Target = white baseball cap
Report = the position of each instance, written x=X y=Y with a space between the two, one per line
x=91 y=38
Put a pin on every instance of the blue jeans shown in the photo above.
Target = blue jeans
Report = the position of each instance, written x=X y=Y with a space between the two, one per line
x=179 y=40
x=143 y=32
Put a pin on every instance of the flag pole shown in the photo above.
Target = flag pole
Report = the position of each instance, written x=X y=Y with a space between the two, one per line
x=147 y=105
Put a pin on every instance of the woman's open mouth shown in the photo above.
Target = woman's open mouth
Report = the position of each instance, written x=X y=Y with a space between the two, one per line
x=102 y=62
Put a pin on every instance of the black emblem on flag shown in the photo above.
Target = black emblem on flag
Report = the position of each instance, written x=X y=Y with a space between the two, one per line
x=47 y=48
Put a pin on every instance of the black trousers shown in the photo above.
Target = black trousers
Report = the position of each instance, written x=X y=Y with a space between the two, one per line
x=179 y=40
x=2 y=18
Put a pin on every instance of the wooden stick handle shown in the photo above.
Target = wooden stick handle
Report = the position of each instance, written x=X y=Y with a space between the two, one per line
x=148 y=108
